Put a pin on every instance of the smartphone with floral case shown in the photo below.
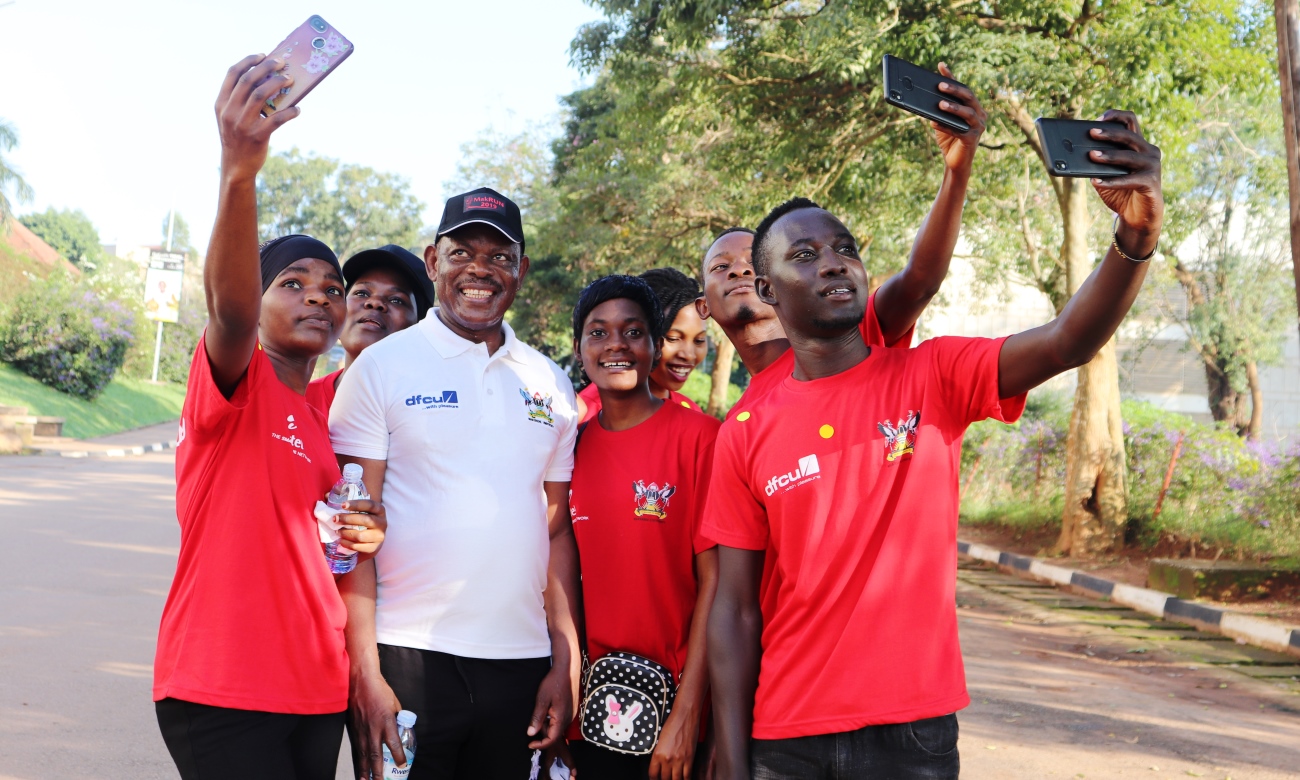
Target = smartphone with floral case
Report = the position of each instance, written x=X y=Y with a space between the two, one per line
x=310 y=53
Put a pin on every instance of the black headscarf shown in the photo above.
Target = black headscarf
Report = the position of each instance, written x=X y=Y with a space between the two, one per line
x=279 y=253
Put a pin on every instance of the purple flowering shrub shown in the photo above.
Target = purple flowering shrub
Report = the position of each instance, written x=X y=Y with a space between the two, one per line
x=66 y=336
x=1225 y=493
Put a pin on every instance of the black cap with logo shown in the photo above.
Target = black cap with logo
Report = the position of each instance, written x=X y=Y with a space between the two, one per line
x=399 y=259
x=484 y=205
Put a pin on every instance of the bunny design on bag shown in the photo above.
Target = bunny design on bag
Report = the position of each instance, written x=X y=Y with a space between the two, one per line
x=619 y=726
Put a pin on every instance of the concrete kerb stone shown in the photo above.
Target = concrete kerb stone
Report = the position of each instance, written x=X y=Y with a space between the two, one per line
x=1257 y=631
x=117 y=452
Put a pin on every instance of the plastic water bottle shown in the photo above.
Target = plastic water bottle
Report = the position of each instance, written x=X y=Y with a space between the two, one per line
x=405 y=733
x=341 y=559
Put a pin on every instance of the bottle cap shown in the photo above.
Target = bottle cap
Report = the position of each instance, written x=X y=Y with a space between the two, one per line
x=406 y=719
x=352 y=471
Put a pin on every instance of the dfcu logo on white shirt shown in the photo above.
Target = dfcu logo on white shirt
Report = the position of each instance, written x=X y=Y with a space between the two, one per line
x=447 y=399
x=808 y=467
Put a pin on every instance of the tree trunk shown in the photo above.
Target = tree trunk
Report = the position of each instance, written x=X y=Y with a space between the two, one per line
x=1256 y=425
x=1227 y=405
x=1286 y=14
x=724 y=355
x=1096 y=500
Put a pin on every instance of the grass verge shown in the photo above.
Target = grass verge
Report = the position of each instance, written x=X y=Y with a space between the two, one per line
x=124 y=404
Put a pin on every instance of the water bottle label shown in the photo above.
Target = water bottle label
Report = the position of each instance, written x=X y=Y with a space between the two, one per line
x=391 y=769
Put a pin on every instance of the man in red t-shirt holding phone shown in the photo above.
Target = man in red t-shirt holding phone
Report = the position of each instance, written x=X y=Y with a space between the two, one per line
x=845 y=474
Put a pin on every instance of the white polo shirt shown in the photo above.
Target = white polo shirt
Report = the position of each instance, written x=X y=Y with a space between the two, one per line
x=469 y=439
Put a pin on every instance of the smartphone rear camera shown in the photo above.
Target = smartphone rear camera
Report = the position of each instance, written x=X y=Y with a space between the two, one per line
x=895 y=94
x=318 y=24
x=318 y=43
x=1060 y=165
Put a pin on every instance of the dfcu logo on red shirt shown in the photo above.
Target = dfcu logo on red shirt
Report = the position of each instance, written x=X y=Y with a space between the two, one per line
x=808 y=467
x=484 y=202
x=652 y=500
x=900 y=438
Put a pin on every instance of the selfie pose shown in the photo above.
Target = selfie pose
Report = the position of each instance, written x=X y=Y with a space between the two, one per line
x=892 y=310
x=852 y=667
x=251 y=675
x=387 y=291
x=684 y=346
x=648 y=576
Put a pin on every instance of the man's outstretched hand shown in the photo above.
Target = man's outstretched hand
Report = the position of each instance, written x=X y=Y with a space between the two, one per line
x=959 y=148
x=554 y=709
x=245 y=133
x=1136 y=196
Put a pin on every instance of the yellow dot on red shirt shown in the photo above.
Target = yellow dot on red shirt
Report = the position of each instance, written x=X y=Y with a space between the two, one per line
x=687 y=405
x=742 y=416
x=826 y=431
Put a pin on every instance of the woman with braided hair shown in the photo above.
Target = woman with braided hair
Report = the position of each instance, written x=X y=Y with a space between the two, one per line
x=685 y=342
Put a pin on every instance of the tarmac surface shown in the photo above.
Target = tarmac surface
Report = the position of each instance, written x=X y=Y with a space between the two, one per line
x=1062 y=686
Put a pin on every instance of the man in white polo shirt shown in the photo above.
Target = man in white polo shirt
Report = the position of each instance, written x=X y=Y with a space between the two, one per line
x=466 y=616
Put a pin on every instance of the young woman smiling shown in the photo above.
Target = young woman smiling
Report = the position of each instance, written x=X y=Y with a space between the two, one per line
x=251 y=672
x=684 y=346
x=648 y=576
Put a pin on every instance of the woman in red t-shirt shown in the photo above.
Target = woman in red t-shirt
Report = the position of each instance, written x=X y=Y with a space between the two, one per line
x=640 y=470
x=388 y=289
x=684 y=344
x=251 y=671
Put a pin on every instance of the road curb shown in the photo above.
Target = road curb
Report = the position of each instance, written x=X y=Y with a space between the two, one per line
x=1261 y=632
x=119 y=452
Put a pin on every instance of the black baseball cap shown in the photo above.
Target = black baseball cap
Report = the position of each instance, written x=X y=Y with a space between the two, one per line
x=484 y=205
x=399 y=259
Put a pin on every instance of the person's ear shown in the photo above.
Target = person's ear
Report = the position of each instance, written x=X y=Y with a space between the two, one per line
x=524 y=264
x=431 y=261
x=702 y=307
x=763 y=289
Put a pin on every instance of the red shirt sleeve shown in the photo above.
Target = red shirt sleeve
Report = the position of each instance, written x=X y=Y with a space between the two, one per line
x=705 y=448
x=872 y=333
x=733 y=515
x=207 y=406
x=966 y=371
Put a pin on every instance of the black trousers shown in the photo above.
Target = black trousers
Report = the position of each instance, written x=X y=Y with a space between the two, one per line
x=920 y=750
x=471 y=713
x=216 y=743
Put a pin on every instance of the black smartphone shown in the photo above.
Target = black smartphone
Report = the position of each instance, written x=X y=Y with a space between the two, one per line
x=1066 y=144
x=916 y=89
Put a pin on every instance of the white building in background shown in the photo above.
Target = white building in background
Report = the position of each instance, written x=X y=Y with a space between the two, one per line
x=1163 y=370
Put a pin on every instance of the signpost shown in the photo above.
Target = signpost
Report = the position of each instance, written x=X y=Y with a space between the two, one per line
x=162 y=289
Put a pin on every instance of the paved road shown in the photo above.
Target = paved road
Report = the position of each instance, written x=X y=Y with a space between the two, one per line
x=1060 y=687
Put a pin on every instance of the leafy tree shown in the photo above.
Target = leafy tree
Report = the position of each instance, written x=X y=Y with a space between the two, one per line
x=9 y=177
x=785 y=98
x=349 y=207
x=1229 y=219
x=70 y=233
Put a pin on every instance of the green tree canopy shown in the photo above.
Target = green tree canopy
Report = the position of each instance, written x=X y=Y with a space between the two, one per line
x=349 y=207
x=70 y=233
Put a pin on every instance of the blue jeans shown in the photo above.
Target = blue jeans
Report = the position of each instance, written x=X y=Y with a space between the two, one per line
x=920 y=750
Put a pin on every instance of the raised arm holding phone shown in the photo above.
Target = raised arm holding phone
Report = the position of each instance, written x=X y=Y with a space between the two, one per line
x=250 y=677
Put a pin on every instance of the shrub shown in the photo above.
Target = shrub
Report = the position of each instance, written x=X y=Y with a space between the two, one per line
x=66 y=336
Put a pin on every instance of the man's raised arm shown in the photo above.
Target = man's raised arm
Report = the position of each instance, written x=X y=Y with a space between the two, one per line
x=902 y=298
x=1094 y=313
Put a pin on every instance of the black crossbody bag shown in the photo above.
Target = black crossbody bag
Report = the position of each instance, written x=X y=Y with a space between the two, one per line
x=626 y=700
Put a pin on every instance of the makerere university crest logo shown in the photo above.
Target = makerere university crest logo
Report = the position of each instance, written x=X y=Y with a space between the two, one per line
x=652 y=500
x=900 y=437
x=539 y=407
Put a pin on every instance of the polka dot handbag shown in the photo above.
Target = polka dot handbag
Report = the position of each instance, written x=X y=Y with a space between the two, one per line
x=627 y=700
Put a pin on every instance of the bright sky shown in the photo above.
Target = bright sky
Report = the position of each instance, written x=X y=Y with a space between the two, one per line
x=112 y=99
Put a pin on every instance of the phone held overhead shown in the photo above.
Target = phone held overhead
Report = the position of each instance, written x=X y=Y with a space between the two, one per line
x=309 y=54
x=913 y=88
x=1066 y=143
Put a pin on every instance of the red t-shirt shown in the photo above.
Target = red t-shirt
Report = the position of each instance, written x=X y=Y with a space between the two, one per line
x=253 y=620
x=636 y=500
x=860 y=626
x=761 y=384
x=590 y=396
x=321 y=392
